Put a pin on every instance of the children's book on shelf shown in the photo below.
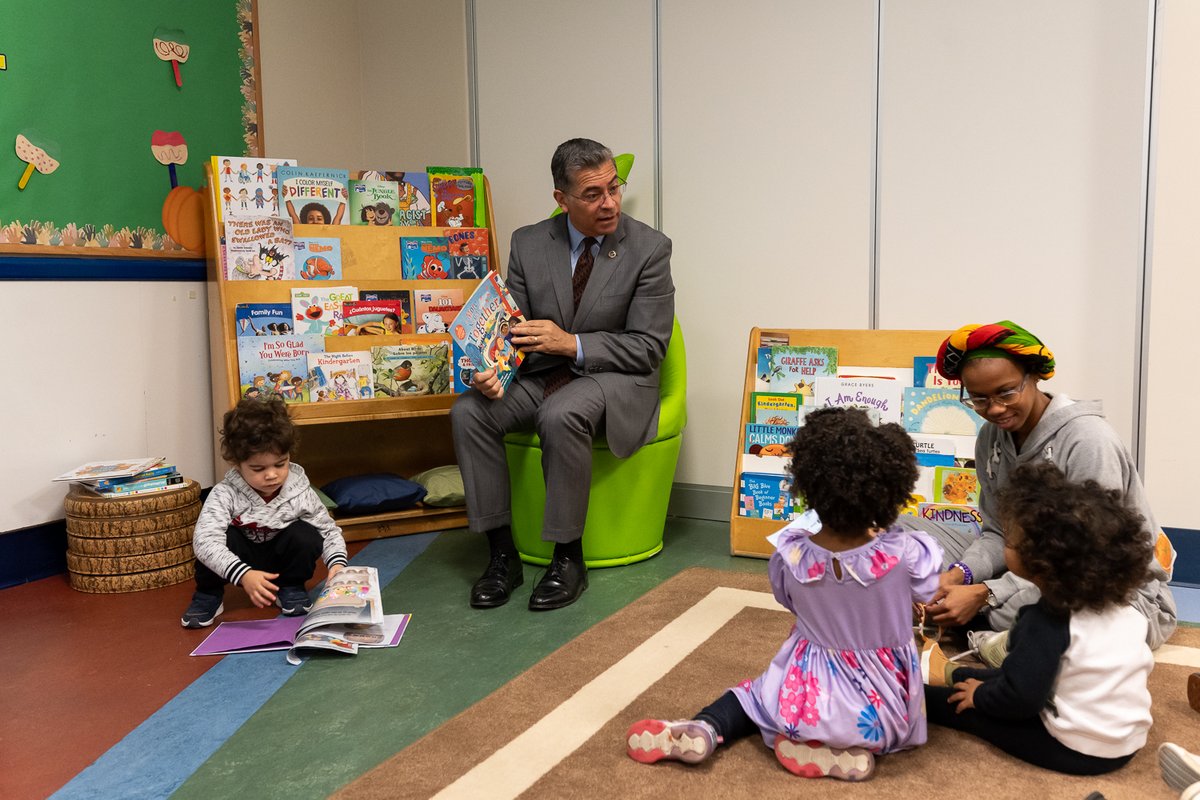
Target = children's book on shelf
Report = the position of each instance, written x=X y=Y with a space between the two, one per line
x=374 y=202
x=259 y=248
x=794 y=369
x=374 y=317
x=340 y=376
x=435 y=309
x=925 y=373
x=347 y=614
x=402 y=296
x=93 y=471
x=884 y=396
x=462 y=369
x=318 y=258
x=262 y=319
x=465 y=268
x=276 y=365
x=765 y=497
x=425 y=258
x=412 y=207
x=476 y=176
x=411 y=369
x=314 y=196
x=453 y=200
x=768 y=440
x=482 y=329
x=959 y=517
x=957 y=485
x=938 y=410
x=246 y=186
x=775 y=408
x=318 y=309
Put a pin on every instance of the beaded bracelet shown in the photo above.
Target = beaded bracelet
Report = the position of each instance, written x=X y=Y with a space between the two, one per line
x=968 y=578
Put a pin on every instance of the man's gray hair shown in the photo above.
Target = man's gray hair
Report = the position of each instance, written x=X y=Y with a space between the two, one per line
x=574 y=155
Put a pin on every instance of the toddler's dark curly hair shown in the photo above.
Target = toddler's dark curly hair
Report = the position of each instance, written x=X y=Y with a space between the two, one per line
x=1080 y=542
x=854 y=474
x=257 y=426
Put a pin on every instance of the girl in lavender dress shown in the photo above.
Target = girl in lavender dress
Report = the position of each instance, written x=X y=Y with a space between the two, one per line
x=846 y=684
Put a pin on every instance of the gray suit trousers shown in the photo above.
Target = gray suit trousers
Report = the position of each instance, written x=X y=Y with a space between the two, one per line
x=566 y=422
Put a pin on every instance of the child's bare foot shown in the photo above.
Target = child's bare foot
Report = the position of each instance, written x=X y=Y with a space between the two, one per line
x=687 y=740
x=815 y=760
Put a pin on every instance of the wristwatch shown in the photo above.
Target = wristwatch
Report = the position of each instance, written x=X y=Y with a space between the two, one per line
x=992 y=602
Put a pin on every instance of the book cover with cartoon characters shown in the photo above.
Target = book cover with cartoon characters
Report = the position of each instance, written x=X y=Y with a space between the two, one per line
x=247 y=186
x=374 y=202
x=411 y=369
x=957 y=485
x=768 y=440
x=925 y=373
x=259 y=249
x=482 y=329
x=318 y=310
x=434 y=309
x=453 y=200
x=374 y=318
x=276 y=365
x=312 y=196
x=337 y=376
x=467 y=241
x=318 y=258
x=794 y=368
x=462 y=369
x=401 y=296
x=765 y=497
x=425 y=258
x=775 y=408
x=938 y=410
x=262 y=319
x=413 y=208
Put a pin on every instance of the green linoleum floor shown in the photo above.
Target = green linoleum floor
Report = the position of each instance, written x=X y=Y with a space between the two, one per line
x=338 y=717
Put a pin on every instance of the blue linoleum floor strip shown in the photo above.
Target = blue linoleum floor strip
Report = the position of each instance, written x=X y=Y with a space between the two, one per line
x=159 y=755
x=1188 y=601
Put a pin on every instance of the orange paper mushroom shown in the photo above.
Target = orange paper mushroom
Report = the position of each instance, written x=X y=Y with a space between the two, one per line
x=35 y=158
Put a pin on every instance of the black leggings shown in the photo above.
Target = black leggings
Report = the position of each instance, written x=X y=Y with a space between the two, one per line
x=293 y=553
x=1027 y=739
x=729 y=718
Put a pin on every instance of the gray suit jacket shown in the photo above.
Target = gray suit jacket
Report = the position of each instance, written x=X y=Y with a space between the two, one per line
x=624 y=320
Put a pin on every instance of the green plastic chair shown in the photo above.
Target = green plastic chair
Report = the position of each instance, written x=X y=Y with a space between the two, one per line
x=627 y=505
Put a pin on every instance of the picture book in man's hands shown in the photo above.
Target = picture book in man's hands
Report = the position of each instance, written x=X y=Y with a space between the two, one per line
x=483 y=329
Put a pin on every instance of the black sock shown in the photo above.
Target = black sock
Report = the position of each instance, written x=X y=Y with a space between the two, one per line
x=500 y=540
x=572 y=551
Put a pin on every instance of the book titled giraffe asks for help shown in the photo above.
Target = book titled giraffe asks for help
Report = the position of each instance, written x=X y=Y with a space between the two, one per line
x=482 y=329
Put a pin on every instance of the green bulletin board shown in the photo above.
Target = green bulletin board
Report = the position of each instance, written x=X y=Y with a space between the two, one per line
x=82 y=79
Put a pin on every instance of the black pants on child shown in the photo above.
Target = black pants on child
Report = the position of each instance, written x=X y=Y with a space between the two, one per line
x=1027 y=739
x=293 y=553
x=729 y=718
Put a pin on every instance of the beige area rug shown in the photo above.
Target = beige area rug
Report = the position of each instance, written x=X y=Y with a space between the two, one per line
x=558 y=729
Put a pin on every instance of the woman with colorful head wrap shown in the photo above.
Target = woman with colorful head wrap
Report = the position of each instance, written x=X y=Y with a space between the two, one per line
x=1001 y=367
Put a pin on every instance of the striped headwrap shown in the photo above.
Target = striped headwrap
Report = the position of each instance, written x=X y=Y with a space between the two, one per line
x=1004 y=339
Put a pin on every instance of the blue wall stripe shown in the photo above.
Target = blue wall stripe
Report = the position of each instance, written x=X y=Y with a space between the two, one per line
x=84 y=268
x=161 y=753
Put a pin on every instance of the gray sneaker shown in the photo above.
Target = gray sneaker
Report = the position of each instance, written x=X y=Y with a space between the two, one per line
x=687 y=740
x=293 y=601
x=203 y=609
x=1180 y=768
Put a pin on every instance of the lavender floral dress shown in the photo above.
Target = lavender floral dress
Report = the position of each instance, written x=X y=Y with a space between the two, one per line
x=849 y=673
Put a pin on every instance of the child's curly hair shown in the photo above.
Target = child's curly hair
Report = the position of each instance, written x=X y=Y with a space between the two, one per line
x=257 y=426
x=1079 y=542
x=854 y=474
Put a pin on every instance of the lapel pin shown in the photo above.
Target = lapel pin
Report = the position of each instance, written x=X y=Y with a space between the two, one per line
x=612 y=253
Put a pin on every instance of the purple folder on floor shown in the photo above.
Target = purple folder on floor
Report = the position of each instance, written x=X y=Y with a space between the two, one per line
x=250 y=636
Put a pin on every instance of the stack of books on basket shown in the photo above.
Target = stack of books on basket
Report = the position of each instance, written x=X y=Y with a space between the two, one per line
x=127 y=477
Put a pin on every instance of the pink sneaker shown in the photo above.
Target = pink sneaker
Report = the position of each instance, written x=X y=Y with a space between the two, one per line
x=687 y=740
x=815 y=760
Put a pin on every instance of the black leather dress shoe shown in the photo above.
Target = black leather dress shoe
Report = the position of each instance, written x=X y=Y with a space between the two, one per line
x=494 y=587
x=562 y=584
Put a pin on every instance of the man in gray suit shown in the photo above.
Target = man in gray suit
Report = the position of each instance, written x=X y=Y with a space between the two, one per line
x=595 y=288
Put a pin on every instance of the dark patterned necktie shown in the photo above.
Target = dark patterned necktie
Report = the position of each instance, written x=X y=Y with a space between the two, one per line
x=562 y=374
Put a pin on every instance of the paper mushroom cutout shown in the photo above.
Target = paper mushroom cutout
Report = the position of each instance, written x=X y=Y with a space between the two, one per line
x=35 y=158
x=169 y=46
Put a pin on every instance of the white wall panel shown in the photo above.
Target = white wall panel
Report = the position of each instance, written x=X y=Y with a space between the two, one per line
x=1172 y=435
x=549 y=71
x=767 y=136
x=1012 y=138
